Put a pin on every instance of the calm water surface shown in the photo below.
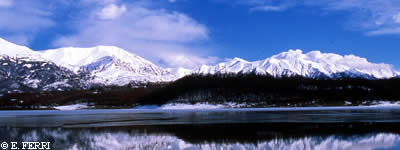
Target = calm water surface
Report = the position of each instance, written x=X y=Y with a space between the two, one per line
x=280 y=128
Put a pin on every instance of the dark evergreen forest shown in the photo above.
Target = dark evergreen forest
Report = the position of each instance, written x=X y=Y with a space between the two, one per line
x=272 y=91
x=258 y=90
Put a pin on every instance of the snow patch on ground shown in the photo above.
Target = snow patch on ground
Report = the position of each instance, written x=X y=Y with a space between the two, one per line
x=229 y=105
x=192 y=106
x=72 y=107
x=385 y=104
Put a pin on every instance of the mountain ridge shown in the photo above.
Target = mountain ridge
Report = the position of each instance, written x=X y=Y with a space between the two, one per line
x=13 y=50
x=110 y=65
x=295 y=62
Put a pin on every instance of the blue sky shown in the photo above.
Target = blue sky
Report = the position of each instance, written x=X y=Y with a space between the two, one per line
x=191 y=32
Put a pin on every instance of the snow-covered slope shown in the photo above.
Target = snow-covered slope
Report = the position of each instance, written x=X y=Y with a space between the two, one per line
x=21 y=75
x=22 y=70
x=16 y=51
x=311 y=64
x=109 y=65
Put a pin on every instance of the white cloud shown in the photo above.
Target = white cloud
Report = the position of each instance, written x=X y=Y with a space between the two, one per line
x=112 y=11
x=268 y=8
x=187 y=60
x=6 y=3
x=165 y=37
x=396 y=17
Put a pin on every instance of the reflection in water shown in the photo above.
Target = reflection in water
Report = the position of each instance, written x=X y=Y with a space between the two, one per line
x=158 y=138
x=313 y=128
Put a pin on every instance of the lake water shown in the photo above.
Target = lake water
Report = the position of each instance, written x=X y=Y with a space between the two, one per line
x=277 y=128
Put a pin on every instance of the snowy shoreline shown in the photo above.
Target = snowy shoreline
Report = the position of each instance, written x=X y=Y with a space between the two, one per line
x=183 y=106
x=231 y=105
x=72 y=107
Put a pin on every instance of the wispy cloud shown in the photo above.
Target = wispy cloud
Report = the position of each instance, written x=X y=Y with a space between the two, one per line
x=6 y=3
x=268 y=8
x=111 y=11
x=373 y=17
x=20 y=20
x=384 y=31
x=266 y=5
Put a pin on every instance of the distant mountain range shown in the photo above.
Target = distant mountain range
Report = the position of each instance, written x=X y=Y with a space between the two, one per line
x=313 y=64
x=22 y=69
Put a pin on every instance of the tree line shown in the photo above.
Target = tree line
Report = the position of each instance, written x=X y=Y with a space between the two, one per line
x=262 y=90
x=274 y=91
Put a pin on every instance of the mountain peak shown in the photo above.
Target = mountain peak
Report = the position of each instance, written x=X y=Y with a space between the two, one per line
x=109 y=64
x=74 y=56
x=14 y=50
x=236 y=59
x=114 y=65
x=295 y=62
x=5 y=42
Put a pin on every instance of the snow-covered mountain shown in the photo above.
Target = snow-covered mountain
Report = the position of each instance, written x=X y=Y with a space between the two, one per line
x=22 y=69
x=312 y=64
x=23 y=75
x=16 y=51
x=108 y=65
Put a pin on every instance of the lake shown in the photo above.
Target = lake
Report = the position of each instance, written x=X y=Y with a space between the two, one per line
x=262 y=128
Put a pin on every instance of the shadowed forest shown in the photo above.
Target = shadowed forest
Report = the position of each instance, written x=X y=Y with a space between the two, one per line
x=258 y=90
